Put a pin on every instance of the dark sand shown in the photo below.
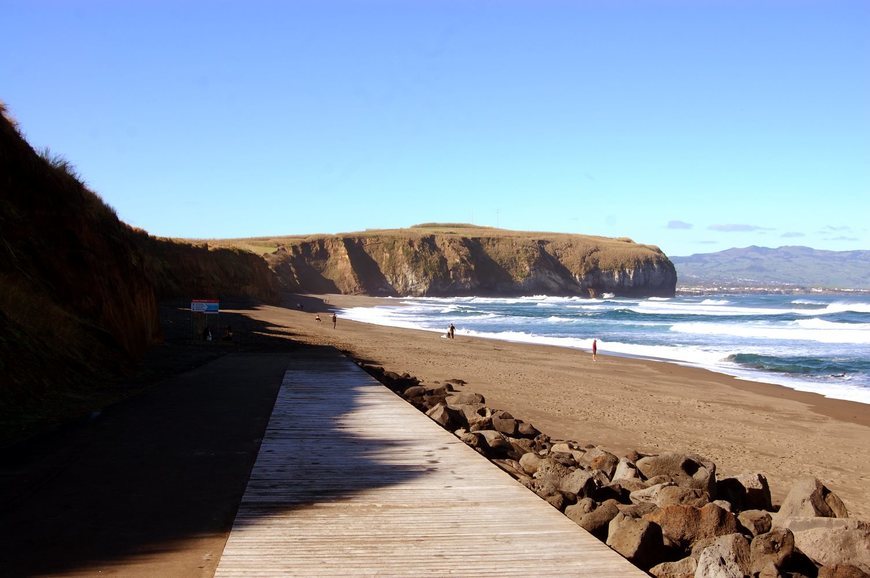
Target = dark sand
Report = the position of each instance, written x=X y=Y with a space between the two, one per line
x=624 y=404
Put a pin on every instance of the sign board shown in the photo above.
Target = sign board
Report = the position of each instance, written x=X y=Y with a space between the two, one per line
x=207 y=306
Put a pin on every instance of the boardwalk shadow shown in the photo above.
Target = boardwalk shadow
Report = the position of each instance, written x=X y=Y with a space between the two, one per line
x=163 y=473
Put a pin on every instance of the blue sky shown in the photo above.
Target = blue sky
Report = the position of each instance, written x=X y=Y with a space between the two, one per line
x=693 y=125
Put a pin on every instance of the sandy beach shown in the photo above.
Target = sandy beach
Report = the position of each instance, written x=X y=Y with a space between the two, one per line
x=620 y=403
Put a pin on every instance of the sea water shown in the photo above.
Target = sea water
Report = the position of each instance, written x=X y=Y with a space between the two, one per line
x=815 y=342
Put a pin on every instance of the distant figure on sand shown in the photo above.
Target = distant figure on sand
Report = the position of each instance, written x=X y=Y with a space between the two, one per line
x=594 y=349
x=317 y=317
x=450 y=331
x=334 y=319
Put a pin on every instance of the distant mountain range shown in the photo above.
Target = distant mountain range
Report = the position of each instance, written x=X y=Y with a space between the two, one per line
x=784 y=267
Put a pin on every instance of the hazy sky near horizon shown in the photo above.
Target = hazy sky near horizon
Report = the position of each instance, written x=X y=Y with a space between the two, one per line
x=693 y=125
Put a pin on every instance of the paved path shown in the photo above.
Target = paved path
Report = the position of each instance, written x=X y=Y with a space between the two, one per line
x=149 y=487
x=351 y=480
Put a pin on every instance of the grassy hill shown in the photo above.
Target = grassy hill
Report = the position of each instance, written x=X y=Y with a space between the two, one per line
x=789 y=266
x=79 y=289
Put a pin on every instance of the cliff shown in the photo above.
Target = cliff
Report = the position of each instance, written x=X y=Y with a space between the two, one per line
x=185 y=270
x=79 y=288
x=443 y=260
x=76 y=304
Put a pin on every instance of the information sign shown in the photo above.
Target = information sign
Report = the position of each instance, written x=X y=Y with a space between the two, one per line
x=207 y=306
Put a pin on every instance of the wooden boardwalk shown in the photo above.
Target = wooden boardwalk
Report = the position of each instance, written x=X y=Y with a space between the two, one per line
x=351 y=480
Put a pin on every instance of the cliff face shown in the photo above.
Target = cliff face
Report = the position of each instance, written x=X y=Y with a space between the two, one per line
x=181 y=270
x=79 y=288
x=473 y=261
x=76 y=305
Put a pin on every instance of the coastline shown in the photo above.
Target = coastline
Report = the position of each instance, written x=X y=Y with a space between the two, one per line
x=621 y=403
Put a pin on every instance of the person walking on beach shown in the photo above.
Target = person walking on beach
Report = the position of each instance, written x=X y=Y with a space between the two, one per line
x=450 y=331
x=594 y=349
x=334 y=320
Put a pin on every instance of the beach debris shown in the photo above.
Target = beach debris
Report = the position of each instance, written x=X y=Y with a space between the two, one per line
x=667 y=513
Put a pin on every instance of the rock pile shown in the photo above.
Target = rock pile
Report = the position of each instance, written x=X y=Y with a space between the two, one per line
x=669 y=514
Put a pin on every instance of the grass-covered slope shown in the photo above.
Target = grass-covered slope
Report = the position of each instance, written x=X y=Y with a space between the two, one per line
x=79 y=288
x=76 y=304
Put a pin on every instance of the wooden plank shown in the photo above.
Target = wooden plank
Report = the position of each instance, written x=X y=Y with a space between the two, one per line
x=352 y=480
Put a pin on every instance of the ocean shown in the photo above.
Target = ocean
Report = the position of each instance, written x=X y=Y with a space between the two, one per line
x=815 y=342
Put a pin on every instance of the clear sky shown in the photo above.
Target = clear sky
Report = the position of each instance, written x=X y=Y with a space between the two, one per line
x=695 y=125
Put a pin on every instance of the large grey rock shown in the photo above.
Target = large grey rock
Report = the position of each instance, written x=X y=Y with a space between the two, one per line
x=568 y=449
x=527 y=430
x=756 y=521
x=669 y=495
x=809 y=497
x=772 y=548
x=830 y=541
x=549 y=476
x=684 y=568
x=602 y=460
x=648 y=495
x=688 y=470
x=575 y=512
x=726 y=557
x=471 y=411
x=521 y=445
x=447 y=418
x=479 y=423
x=579 y=482
x=504 y=422
x=625 y=470
x=749 y=491
x=415 y=391
x=685 y=525
x=637 y=540
x=597 y=521
x=638 y=510
x=464 y=398
x=496 y=444
x=530 y=462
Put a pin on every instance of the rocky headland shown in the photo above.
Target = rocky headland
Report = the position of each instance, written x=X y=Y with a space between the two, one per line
x=449 y=260
x=671 y=514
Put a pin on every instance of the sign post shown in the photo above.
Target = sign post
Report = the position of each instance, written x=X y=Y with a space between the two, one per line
x=203 y=307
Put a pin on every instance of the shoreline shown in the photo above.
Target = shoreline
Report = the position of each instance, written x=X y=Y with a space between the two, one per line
x=620 y=403
x=737 y=373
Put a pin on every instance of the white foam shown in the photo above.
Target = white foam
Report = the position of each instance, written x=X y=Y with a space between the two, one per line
x=802 y=330
x=842 y=307
x=711 y=309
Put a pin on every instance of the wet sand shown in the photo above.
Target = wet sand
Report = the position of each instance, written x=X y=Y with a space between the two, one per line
x=621 y=403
